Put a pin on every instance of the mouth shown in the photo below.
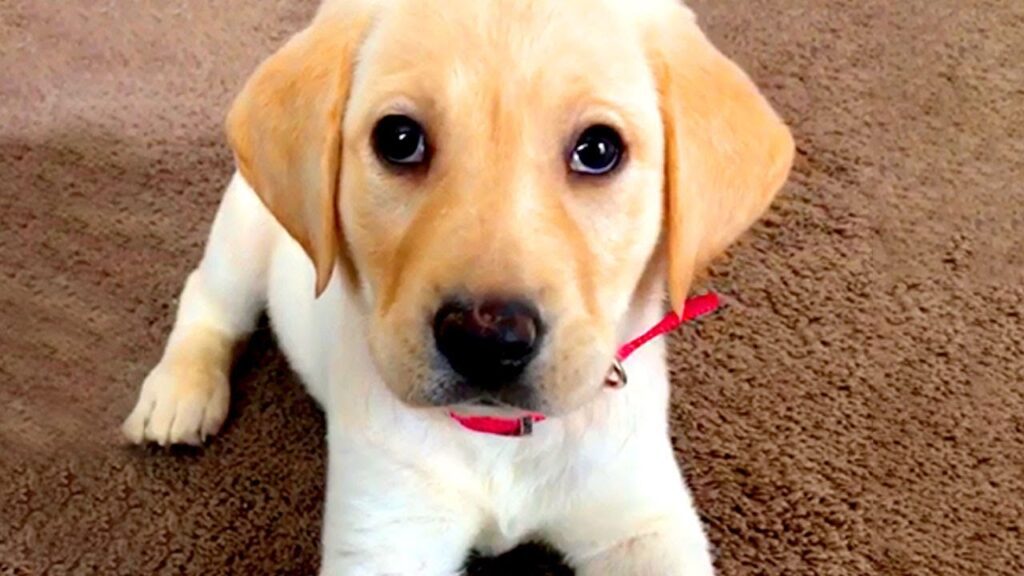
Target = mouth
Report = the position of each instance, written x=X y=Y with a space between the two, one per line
x=490 y=407
x=508 y=400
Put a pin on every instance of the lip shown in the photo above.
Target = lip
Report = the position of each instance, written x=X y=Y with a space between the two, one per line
x=511 y=401
x=489 y=409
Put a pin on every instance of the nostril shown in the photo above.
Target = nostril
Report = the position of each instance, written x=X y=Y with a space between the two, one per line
x=490 y=341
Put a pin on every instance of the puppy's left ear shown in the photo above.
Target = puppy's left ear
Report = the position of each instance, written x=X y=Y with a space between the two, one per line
x=727 y=153
x=285 y=130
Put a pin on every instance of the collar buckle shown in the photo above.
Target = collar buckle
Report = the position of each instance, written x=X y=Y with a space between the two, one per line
x=617 y=377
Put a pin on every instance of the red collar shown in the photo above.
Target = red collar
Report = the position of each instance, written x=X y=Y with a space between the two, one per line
x=695 y=308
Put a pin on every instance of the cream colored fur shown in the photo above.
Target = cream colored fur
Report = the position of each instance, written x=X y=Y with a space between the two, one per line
x=501 y=87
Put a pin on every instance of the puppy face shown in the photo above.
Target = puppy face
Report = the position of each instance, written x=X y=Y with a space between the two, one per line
x=497 y=175
x=500 y=207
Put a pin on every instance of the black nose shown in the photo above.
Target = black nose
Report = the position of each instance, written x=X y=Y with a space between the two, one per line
x=488 y=342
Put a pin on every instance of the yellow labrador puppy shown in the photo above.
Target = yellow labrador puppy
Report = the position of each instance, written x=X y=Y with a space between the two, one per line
x=454 y=212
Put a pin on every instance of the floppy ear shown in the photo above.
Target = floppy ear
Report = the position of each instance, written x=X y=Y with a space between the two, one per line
x=726 y=151
x=285 y=130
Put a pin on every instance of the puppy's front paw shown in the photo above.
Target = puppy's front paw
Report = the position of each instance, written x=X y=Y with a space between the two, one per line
x=180 y=403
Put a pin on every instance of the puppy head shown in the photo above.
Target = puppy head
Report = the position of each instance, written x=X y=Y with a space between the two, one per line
x=497 y=177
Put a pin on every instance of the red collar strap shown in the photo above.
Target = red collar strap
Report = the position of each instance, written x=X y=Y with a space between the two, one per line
x=694 y=308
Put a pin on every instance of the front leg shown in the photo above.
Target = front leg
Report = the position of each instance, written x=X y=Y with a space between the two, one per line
x=664 y=546
x=389 y=515
x=185 y=397
x=638 y=520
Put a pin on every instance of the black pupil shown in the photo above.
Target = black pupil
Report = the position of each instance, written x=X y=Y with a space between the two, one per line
x=598 y=149
x=397 y=138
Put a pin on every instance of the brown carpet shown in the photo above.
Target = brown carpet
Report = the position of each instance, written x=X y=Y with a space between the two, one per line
x=858 y=410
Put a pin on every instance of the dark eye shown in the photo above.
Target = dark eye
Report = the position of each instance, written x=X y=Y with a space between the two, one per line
x=597 y=151
x=399 y=140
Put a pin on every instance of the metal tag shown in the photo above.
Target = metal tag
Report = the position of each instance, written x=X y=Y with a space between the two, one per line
x=616 y=375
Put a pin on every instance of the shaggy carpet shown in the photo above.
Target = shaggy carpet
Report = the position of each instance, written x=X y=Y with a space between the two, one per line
x=859 y=409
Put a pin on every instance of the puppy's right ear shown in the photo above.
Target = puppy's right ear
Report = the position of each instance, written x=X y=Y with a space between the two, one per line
x=285 y=130
x=727 y=152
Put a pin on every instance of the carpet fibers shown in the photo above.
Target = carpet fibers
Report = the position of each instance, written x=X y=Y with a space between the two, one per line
x=858 y=409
